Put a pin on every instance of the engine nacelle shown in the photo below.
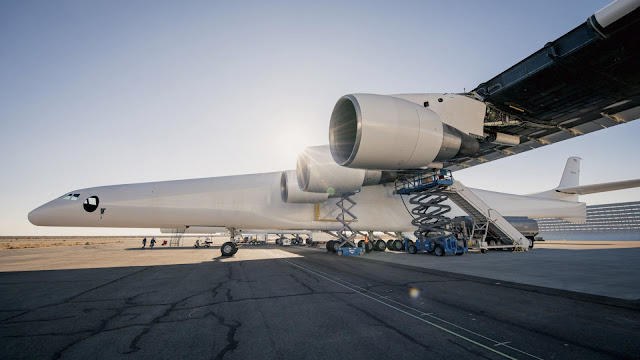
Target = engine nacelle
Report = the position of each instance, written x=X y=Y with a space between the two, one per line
x=291 y=193
x=391 y=133
x=318 y=172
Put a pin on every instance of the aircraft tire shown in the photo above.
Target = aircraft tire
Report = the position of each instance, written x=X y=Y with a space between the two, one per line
x=361 y=243
x=439 y=250
x=413 y=249
x=368 y=247
x=398 y=245
x=336 y=246
x=228 y=249
x=389 y=244
x=381 y=246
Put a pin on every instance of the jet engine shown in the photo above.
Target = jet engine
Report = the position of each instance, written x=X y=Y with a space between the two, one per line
x=380 y=132
x=291 y=193
x=318 y=172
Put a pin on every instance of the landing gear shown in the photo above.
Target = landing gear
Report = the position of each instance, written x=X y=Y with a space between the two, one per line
x=336 y=246
x=380 y=245
x=368 y=247
x=333 y=245
x=228 y=249
x=390 y=244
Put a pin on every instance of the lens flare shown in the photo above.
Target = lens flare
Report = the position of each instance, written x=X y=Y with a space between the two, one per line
x=414 y=293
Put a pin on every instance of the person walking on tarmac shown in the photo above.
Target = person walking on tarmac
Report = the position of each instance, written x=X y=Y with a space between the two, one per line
x=153 y=242
x=144 y=242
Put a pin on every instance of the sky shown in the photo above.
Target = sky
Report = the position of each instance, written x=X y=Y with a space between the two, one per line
x=99 y=93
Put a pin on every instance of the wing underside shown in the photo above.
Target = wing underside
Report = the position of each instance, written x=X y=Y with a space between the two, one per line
x=585 y=81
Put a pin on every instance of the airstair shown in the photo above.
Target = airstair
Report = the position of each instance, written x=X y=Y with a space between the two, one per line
x=176 y=237
x=482 y=215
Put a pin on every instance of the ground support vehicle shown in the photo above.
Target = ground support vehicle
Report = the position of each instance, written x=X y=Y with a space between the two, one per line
x=439 y=247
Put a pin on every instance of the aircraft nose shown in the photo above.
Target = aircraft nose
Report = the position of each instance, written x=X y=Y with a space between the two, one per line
x=40 y=215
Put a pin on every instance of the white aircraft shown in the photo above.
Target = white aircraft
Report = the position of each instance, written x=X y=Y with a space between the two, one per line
x=378 y=143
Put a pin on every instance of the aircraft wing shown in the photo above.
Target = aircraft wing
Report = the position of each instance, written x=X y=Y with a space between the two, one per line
x=597 y=188
x=586 y=80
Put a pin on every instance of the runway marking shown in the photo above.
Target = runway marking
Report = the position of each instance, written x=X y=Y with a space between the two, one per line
x=402 y=311
x=502 y=344
x=328 y=277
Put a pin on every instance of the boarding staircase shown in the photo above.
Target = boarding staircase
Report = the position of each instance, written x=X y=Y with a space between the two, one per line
x=176 y=237
x=482 y=215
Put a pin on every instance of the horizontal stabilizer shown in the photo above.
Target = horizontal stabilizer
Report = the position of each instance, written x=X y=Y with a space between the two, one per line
x=597 y=188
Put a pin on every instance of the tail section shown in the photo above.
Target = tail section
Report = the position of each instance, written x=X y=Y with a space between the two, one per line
x=571 y=174
x=570 y=187
x=570 y=178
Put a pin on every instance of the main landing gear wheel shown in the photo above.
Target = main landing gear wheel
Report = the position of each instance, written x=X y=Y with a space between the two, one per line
x=389 y=245
x=380 y=245
x=330 y=245
x=439 y=251
x=368 y=247
x=398 y=245
x=361 y=243
x=412 y=249
x=228 y=249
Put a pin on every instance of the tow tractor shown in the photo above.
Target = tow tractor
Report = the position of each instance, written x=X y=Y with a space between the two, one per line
x=439 y=247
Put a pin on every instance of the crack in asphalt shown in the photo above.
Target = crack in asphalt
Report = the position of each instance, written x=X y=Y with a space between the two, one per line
x=69 y=299
x=232 y=343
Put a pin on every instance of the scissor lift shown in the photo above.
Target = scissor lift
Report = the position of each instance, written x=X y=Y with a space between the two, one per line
x=433 y=235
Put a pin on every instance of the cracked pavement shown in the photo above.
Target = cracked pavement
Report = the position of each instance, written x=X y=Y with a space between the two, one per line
x=270 y=302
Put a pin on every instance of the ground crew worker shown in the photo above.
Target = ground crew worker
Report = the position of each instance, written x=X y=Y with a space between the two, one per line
x=153 y=242
x=144 y=242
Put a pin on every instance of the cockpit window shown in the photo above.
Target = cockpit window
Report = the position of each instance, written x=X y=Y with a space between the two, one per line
x=91 y=204
x=70 y=197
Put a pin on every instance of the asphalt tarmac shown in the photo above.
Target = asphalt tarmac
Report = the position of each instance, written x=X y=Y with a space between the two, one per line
x=290 y=303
